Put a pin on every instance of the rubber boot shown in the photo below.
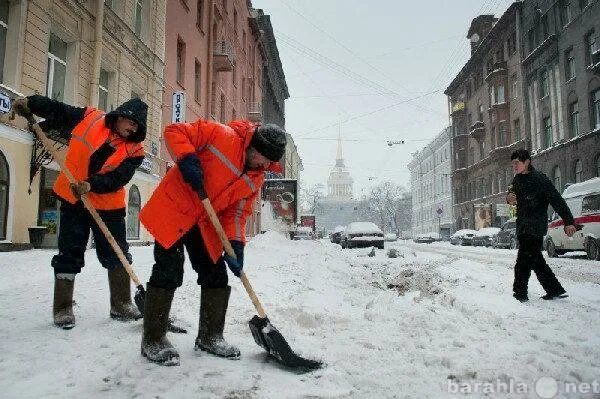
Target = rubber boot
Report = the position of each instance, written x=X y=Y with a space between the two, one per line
x=213 y=307
x=155 y=345
x=121 y=307
x=62 y=308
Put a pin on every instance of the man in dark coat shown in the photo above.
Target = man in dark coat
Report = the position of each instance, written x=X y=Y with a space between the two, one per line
x=532 y=192
x=103 y=154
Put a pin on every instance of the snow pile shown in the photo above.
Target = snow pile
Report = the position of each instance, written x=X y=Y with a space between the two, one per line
x=410 y=326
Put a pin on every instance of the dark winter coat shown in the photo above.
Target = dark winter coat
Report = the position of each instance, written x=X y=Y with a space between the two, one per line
x=62 y=118
x=534 y=193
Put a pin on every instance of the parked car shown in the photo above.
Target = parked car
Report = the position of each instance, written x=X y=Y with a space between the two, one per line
x=304 y=233
x=462 y=237
x=362 y=234
x=484 y=236
x=336 y=236
x=425 y=238
x=507 y=236
x=584 y=201
x=390 y=237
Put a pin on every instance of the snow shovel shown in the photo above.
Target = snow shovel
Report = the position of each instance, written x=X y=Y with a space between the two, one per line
x=140 y=293
x=264 y=333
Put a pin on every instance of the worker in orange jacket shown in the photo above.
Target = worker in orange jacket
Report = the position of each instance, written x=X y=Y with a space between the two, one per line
x=103 y=154
x=227 y=164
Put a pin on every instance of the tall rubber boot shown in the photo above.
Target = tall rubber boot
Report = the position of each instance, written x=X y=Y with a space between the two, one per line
x=155 y=345
x=62 y=308
x=121 y=307
x=213 y=307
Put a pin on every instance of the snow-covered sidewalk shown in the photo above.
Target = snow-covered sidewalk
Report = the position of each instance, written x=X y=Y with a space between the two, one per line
x=425 y=325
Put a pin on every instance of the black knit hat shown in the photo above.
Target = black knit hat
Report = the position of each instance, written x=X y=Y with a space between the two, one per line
x=134 y=109
x=270 y=141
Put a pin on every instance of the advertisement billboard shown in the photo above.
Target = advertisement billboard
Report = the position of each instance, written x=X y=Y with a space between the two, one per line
x=282 y=195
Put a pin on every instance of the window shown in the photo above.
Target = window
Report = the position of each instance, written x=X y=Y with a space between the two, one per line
x=512 y=44
x=481 y=149
x=567 y=12
x=133 y=211
x=180 y=66
x=556 y=176
x=493 y=138
x=502 y=139
x=3 y=33
x=57 y=68
x=235 y=22
x=574 y=119
x=491 y=95
x=501 y=94
x=516 y=130
x=515 y=86
x=591 y=204
x=200 y=14
x=137 y=17
x=244 y=40
x=547 y=132
x=197 y=80
x=472 y=155
x=544 y=83
x=222 y=118
x=569 y=64
x=590 y=46
x=531 y=41
x=4 y=185
x=596 y=109
x=103 y=90
x=480 y=113
x=545 y=29
x=578 y=171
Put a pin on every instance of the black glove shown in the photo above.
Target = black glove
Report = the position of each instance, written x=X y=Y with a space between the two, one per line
x=235 y=265
x=192 y=172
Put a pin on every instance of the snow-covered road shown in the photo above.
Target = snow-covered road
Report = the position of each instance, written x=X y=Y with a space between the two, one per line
x=438 y=320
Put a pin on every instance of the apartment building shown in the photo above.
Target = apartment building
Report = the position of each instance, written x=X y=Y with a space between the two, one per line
x=85 y=54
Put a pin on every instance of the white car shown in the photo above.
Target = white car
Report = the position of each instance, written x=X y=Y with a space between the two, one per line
x=485 y=236
x=304 y=233
x=362 y=234
x=583 y=200
x=462 y=237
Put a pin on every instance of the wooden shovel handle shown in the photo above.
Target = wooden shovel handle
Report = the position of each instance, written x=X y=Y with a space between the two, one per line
x=229 y=250
x=86 y=202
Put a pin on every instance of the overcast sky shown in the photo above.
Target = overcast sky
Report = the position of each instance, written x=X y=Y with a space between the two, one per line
x=371 y=72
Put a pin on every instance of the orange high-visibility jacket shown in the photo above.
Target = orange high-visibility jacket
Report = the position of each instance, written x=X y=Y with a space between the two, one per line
x=174 y=207
x=87 y=137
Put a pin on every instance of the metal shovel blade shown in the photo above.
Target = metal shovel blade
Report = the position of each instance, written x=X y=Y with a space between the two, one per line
x=268 y=337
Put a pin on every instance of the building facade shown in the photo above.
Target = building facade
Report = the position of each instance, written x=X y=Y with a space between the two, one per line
x=561 y=66
x=87 y=54
x=430 y=180
x=487 y=116
x=338 y=207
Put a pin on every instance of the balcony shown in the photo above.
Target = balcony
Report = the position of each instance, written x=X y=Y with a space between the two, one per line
x=498 y=69
x=477 y=130
x=224 y=57
x=255 y=112
x=458 y=108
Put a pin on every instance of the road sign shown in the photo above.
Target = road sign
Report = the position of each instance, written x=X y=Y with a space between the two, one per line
x=178 y=114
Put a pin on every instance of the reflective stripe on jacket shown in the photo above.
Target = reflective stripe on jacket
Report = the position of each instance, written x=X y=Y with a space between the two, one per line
x=174 y=208
x=89 y=135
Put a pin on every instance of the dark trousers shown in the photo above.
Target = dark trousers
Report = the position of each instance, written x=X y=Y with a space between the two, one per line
x=530 y=258
x=74 y=232
x=167 y=272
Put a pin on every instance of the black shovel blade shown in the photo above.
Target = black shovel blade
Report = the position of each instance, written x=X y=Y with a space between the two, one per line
x=268 y=337
x=140 y=298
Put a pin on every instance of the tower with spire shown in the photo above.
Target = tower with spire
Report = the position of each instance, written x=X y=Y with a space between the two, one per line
x=339 y=183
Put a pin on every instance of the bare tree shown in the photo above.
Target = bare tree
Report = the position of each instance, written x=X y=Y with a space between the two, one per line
x=310 y=197
x=387 y=206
